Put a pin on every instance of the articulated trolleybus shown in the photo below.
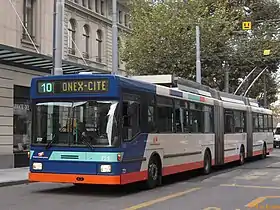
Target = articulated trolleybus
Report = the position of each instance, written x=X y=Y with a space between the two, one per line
x=113 y=130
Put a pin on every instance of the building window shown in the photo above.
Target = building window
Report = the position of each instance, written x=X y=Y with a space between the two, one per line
x=102 y=5
x=90 y=4
x=99 y=45
x=28 y=18
x=126 y=19
x=97 y=6
x=22 y=119
x=120 y=17
x=84 y=2
x=119 y=59
x=76 y=1
x=71 y=36
x=86 y=41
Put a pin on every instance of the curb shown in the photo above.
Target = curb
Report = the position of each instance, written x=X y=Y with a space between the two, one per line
x=11 y=183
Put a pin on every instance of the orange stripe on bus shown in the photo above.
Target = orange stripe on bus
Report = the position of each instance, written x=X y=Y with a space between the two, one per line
x=134 y=177
x=231 y=158
x=72 y=178
x=168 y=170
x=257 y=153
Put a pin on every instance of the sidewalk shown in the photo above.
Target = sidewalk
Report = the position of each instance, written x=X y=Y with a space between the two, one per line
x=13 y=176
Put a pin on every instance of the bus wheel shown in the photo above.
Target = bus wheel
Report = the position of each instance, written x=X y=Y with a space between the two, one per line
x=154 y=175
x=207 y=163
x=242 y=157
x=264 y=152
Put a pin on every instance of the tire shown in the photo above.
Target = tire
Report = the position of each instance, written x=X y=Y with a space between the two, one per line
x=242 y=157
x=264 y=152
x=154 y=174
x=207 y=163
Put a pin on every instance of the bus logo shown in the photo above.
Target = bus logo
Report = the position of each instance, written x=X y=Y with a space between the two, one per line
x=155 y=141
x=41 y=154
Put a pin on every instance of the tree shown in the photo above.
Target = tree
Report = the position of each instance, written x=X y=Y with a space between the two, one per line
x=163 y=41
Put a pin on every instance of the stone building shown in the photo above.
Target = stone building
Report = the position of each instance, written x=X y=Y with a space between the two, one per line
x=26 y=46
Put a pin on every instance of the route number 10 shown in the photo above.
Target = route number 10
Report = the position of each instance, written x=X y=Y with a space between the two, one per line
x=47 y=87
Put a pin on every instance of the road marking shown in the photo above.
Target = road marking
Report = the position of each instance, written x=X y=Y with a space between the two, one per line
x=251 y=186
x=276 y=178
x=259 y=200
x=212 y=208
x=255 y=202
x=152 y=202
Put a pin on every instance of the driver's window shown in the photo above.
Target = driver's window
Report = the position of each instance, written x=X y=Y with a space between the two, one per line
x=131 y=116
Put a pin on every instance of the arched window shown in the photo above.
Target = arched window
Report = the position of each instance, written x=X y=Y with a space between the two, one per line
x=86 y=40
x=99 y=45
x=71 y=36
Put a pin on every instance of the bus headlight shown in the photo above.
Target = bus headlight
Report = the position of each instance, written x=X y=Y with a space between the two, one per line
x=105 y=169
x=37 y=166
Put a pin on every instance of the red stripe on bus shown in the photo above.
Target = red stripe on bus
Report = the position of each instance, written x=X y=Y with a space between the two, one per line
x=134 y=177
x=181 y=168
x=231 y=158
x=255 y=153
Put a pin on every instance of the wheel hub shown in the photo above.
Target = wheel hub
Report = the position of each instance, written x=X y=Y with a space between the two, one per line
x=153 y=171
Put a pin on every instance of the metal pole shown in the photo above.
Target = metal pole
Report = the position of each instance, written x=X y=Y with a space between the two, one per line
x=254 y=81
x=244 y=80
x=114 y=38
x=264 y=91
x=226 y=77
x=54 y=32
x=59 y=29
x=198 y=63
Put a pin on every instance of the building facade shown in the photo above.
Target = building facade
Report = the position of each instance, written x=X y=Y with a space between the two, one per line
x=26 y=47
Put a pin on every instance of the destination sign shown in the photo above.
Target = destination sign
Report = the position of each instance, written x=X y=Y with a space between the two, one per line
x=73 y=86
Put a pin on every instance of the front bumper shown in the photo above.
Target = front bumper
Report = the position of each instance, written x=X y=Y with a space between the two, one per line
x=89 y=179
x=74 y=178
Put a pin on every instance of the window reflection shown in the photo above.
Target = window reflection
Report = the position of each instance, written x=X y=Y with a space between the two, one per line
x=21 y=119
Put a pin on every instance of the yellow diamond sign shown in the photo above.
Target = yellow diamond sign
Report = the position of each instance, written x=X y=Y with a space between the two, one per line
x=247 y=25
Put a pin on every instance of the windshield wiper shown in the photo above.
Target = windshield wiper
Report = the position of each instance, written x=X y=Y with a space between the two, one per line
x=51 y=142
x=85 y=141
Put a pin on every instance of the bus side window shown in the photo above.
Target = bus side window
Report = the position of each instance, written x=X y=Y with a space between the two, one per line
x=131 y=119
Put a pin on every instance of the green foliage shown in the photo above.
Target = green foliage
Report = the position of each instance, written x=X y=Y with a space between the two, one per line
x=163 y=41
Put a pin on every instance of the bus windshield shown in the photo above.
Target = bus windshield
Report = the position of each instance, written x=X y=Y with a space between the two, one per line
x=76 y=123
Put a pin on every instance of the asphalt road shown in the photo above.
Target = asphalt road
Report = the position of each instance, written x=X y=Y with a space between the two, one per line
x=255 y=185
